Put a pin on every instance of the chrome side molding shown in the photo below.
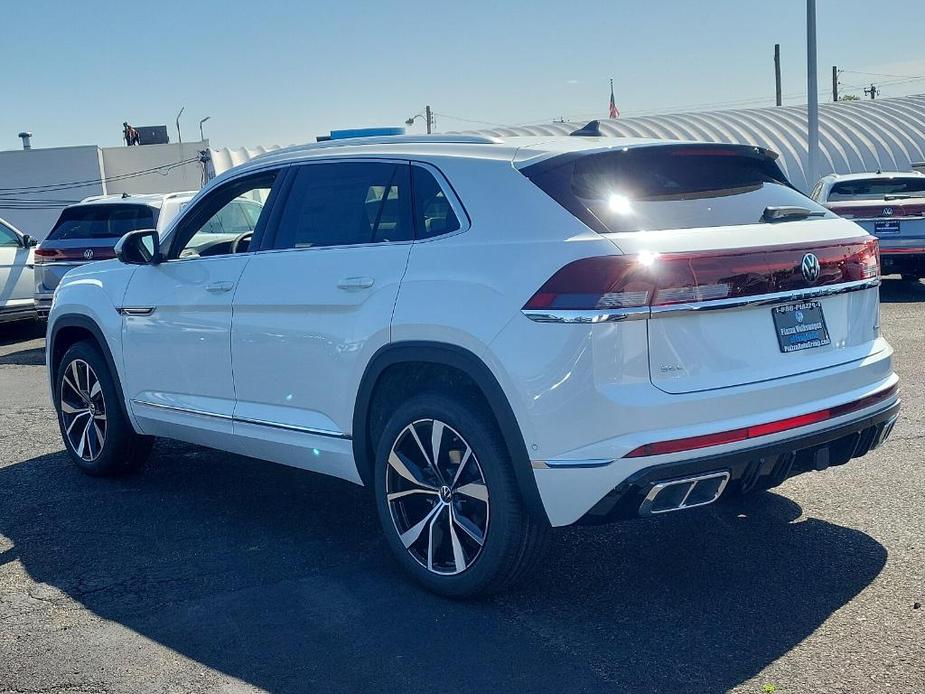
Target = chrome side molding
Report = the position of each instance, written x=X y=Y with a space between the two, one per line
x=136 y=310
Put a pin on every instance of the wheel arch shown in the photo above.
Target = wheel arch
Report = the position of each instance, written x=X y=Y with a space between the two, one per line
x=70 y=329
x=461 y=360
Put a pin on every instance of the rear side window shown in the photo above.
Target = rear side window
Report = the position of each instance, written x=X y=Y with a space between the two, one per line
x=433 y=214
x=7 y=237
x=878 y=188
x=348 y=203
x=102 y=221
x=669 y=187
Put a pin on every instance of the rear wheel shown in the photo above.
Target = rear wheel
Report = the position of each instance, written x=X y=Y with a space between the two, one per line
x=448 y=500
x=96 y=432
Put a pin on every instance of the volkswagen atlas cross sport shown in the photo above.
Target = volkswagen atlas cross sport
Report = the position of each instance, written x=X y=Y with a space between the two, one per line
x=89 y=230
x=889 y=205
x=498 y=336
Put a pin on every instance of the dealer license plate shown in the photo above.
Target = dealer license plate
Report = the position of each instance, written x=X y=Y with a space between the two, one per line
x=800 y=326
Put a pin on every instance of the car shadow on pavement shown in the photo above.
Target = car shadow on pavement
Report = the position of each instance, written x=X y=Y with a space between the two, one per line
x=279 y=578
x=11 y=333
x=25 y=357
x=895 y=291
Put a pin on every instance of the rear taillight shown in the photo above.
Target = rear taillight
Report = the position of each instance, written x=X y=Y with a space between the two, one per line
x=43 y=255
x=657 y=280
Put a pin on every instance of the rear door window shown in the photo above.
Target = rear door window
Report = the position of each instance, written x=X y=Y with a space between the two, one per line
x=669 y=187
x=102 y=221
x=344 y=204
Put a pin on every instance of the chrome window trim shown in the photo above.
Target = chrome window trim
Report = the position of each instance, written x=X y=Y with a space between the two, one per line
x=639 y=313
x=69 y=262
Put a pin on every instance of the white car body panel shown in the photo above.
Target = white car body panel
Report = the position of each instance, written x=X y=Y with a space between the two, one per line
x=16 y=275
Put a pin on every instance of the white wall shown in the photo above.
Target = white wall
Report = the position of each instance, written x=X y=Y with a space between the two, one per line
x=45 y=167
x=118 y=161
x=89 y=170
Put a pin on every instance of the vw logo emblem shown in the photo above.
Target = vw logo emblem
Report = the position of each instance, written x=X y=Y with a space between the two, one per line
x=887 y=211
x=799 y=316
x=88 y=254
x=810 y=267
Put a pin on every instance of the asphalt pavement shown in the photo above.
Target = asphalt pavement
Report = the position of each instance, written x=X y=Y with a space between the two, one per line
x=209 y=572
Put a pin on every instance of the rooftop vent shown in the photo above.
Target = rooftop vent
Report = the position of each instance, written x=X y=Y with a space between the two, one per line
x=26 y=139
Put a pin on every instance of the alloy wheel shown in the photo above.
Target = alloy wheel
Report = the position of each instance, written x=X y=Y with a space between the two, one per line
x=437 y=496
x=83 y=410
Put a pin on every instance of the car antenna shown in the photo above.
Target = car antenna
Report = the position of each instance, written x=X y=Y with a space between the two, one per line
x=592 y=129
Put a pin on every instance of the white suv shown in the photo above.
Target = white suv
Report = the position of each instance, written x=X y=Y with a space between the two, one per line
x=497 y=336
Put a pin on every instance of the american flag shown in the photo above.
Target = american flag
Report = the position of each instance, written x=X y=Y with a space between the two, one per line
x=614 y=111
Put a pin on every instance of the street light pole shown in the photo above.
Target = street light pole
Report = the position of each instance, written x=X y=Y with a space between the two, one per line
x=201 y=136
x=179 y=136
x=812 y=105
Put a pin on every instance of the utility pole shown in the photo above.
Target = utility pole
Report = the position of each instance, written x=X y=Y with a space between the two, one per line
x=179 y=136
x=428 y=118
x=777 y=72
x=812 y=92
x=872 y=92
x=834 y=83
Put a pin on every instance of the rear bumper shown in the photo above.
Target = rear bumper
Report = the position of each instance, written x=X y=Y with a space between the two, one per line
x=906 y=260
x=9 y=314
x=43 y=303
x=753 y=468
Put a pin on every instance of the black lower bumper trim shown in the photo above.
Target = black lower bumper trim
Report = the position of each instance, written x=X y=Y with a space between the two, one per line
x=751 y=469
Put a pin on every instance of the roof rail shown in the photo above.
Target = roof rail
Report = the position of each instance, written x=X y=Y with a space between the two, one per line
x=385 y=140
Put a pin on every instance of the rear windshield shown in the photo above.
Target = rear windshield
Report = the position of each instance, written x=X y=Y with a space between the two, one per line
x=878 y=188
x=669 y=187
x=102 y=221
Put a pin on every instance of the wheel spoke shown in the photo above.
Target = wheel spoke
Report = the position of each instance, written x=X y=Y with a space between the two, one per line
x=73 y=386
x=410 y=536
x=431 y=463
x=430 y=537
x=74 y=421
x=474 y=490
x=96 y=389
x=459 y=556
x=462 y=464
x=468 y=527
x=398 y=495
x=402 y=469
x=84 y=438
x=436 y=438
x=68 y=408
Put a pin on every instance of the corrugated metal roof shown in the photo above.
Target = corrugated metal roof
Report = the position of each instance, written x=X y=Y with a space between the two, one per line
x=854 y=136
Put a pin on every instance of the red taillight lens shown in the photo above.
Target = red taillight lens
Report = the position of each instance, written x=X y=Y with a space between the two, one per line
x=652 y=280
x=43 y=255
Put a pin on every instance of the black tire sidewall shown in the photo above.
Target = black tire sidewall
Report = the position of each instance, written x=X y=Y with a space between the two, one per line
x=505 y=525
x=117 y=444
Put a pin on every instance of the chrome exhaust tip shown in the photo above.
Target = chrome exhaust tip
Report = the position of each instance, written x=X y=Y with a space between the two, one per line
x=680 y=494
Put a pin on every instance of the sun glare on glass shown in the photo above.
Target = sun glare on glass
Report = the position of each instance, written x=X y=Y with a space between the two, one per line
x=619 y=204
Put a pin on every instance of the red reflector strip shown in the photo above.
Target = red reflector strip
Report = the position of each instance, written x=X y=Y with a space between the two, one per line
x=901 y=251
x=756 y=430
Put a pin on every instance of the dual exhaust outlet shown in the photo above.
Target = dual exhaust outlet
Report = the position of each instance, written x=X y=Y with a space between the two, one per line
x=685 y=493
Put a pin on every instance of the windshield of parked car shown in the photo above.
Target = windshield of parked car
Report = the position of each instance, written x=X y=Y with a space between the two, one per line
x=877 y=188
x=671 y=187
x=102 y=221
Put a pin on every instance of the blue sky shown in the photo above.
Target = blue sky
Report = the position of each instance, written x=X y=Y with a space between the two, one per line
x=274 y=72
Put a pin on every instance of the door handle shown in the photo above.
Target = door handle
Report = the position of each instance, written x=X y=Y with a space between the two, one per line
x=220 y=287
x=353 y=283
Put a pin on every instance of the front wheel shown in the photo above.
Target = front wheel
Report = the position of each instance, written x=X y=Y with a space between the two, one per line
x=96 y=432
x=448 y=500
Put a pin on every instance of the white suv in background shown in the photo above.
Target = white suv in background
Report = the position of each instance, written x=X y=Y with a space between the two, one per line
x=889 y=205
x=496 y=336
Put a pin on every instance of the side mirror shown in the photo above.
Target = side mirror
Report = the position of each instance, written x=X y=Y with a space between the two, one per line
x=29 y=241
x=141 y=247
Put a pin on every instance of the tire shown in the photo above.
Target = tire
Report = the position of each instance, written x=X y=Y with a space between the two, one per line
x=96 y=431
x=483 y=501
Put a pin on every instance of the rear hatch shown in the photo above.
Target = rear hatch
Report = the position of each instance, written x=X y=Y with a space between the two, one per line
x=741 y=278
x=897 y=222
x=84 y=234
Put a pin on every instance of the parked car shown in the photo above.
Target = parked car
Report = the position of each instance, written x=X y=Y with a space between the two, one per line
x=87 y=231
x=497 y=336
x=889 y=205
x=16 y=261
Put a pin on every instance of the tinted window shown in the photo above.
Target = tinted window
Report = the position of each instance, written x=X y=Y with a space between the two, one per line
x=102 y=221
x=433 y=214
x=669 y=187
x=7 y=237
x=345 y=204
x=877 y=188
